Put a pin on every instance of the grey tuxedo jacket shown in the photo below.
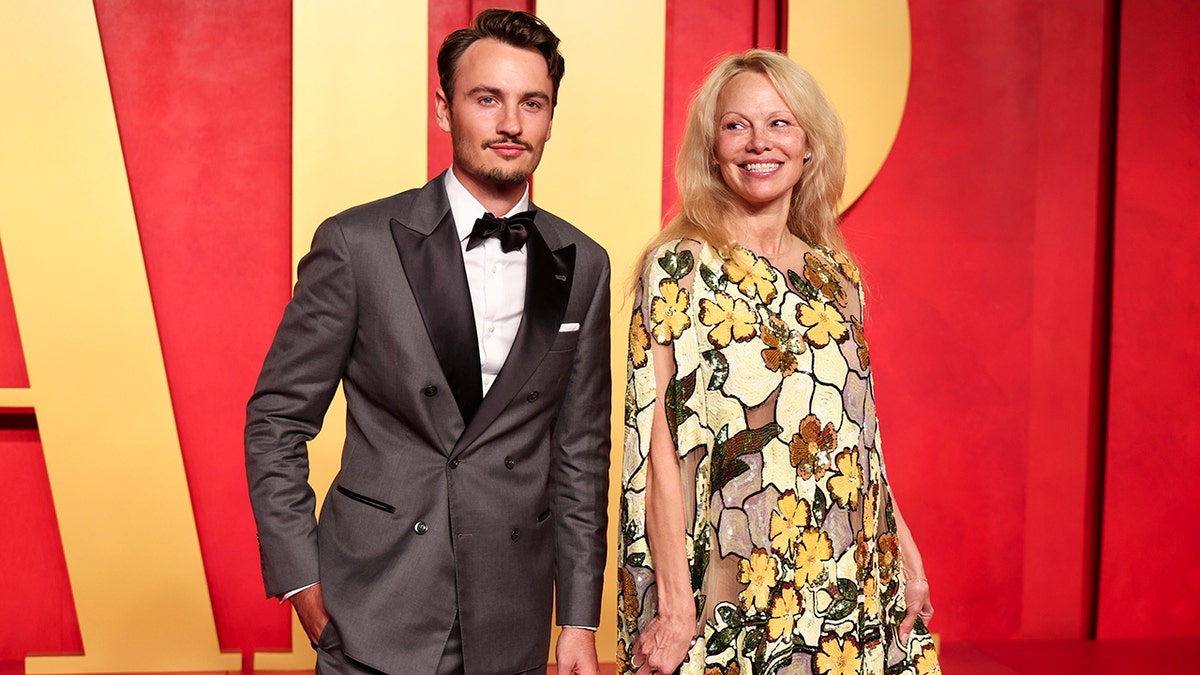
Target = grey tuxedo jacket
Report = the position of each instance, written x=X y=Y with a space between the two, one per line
x=446 y=500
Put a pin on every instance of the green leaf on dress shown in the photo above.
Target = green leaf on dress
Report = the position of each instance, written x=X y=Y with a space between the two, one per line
x=840 y=609
x=637 y=559
x=819 y=507
x=725 y=463
x=847 y=588
x=721 y=640
x=720 y=368
x=731 y=616
x=803 y=288
x=679 y=392
x=678 y=264
x=753 y=641
x=714 y=281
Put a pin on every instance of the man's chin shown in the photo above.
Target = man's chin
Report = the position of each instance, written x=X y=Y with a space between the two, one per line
x=506 y=178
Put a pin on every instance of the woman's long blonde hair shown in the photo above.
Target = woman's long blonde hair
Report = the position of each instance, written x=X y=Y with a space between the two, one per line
x=704 y=198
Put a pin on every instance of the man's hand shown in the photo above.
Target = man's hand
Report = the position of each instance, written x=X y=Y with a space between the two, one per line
x=310 y=607
x=576 y=652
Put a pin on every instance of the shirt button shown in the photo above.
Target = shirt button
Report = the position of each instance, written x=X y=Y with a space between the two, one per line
x=533 y=396
x=430 y=390
x=420 y=527
x=516 y=534
x=453 y=463
x=509 y=463
x=491 y=328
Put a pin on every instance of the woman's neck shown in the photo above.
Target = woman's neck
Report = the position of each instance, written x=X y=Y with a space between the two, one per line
x=765 y=233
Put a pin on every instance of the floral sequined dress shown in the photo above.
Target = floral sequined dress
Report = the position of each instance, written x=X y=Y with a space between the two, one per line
x=791 y=538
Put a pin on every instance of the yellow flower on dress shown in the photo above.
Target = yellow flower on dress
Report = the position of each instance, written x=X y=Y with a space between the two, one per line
x=732 y=319
x=787 y=520
x=824 y=323
x=622 y=657
x=639 y=340
x=627 y=597
x=848 y=267
x=812 y=551
x=927 y=662
x=752 y=274
x=809 y=447
x=862 y=555
x=845 y=486
x=860 y=339
x=759 y=573
x=784 y=610
x=888 y=550
x=783 y=344
x=869 y=511
x=668 y=312
x=838 y=657
x=871 y=597
x=823 y=279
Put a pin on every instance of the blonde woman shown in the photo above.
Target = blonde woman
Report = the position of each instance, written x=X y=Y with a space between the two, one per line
x=758 y=531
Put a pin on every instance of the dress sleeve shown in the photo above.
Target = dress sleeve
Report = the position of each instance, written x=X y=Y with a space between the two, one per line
x=661 y=326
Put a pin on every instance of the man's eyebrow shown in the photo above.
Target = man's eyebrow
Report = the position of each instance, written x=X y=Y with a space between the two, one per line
x=495 y=91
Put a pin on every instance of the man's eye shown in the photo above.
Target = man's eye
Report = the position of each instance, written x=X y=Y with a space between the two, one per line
x=533 y=105
x=487 y=100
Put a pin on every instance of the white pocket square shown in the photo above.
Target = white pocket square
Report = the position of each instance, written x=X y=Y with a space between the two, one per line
x=568 y=328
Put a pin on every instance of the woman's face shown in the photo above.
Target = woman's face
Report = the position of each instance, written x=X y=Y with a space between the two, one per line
x=760 y=145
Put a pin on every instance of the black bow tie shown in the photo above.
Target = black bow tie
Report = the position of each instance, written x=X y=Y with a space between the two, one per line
x=512 y=231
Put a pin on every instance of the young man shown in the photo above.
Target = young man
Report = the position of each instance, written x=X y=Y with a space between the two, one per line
x=474 y=355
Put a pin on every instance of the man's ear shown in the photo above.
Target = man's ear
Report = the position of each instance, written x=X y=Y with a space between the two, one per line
x=441 y=109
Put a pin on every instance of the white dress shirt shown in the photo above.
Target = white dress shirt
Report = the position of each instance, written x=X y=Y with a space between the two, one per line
x=496 y=280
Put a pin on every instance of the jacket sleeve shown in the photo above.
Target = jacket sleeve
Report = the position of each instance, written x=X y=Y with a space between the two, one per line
x=583 y=440
x=298 y=380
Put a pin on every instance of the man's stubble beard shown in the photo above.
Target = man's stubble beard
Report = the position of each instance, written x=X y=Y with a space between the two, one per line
x=507 y=177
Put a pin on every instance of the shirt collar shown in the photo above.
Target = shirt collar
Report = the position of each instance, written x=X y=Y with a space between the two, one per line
x=466 y=209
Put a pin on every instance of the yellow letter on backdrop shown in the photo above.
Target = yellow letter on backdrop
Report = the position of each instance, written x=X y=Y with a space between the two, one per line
x=97 y=381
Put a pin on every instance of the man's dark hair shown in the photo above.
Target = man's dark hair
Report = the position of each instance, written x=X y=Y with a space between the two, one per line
x=513 y=28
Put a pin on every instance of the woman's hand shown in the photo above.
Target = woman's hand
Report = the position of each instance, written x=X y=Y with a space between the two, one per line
x=916 y=597
x=663 y=645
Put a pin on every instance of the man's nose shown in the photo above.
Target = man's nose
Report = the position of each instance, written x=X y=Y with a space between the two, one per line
x=509 y=123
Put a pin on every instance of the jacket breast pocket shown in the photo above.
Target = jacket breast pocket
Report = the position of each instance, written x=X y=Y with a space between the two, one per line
x=565 y=341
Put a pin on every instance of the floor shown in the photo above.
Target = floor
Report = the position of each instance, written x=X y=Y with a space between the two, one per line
x=1172 y=656
x=1168 y=656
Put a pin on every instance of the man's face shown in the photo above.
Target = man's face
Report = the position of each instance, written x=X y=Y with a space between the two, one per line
x=499 y=120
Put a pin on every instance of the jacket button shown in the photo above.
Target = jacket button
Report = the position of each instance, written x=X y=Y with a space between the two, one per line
x=509 y=462
x=430 y=390
x=420 y=527
x=453 y=463
x=516 y=534
x=533 y=396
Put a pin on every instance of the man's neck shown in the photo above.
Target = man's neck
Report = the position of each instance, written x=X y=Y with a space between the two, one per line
x=496 y=199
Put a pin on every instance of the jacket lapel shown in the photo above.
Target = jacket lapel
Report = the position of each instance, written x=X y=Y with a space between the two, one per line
x=549 y=274
x=432 y=259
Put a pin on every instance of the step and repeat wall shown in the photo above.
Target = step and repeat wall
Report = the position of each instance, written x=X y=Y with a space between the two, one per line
x=1022 y=200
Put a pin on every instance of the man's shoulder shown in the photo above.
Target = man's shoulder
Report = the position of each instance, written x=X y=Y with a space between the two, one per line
x=384 y=209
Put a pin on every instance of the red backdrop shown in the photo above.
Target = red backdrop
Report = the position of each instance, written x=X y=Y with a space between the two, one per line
x=1028 y=252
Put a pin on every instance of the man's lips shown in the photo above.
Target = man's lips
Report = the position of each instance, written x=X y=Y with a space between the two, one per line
x=509 y=149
